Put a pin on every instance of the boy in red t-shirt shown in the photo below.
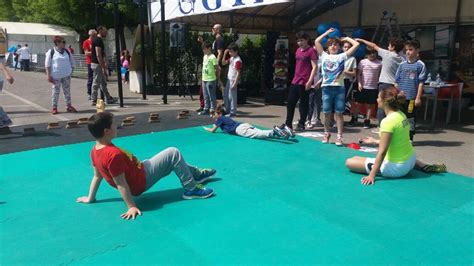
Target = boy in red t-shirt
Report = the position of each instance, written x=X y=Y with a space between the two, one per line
x=131 y=177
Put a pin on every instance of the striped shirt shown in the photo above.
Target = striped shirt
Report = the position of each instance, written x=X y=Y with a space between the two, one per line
x=409 y=76
x=369 y=72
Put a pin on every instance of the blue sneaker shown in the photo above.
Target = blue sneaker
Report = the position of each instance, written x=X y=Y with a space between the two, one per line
x=199 y=192
x=205 y=175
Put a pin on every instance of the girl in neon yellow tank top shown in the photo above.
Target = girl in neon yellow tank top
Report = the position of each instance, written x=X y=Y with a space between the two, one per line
x=396 y=156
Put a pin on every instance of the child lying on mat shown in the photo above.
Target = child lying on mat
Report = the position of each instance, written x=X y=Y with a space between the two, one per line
x=230 y=126
x=396 y=156
x=131 y=177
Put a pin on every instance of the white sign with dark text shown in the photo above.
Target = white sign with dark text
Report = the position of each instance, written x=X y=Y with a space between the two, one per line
x=182 y=8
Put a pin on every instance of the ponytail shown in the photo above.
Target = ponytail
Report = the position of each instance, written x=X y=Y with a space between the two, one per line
x=393 y=98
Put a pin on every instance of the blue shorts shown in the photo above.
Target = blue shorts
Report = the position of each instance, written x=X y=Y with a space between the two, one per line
x=334 y=99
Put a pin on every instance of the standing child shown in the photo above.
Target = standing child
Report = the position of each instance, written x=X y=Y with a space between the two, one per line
x=391 y=60
x=305 y=70
x=334 y=93
x=410 y=77
x=233 y=76
x=350 y=73
x=369 y=71
x=209 y=79
x=131 y=177
x=230 y=126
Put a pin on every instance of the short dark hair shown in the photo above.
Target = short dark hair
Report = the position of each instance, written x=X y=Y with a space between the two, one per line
x=57 y=39
x=206 y=45
x=371 y=51
x=219 y=109
x=397 y=44
x=415 y=43
x=233 y=46
x=302 y=35
x=99 y=122
x=100 y=28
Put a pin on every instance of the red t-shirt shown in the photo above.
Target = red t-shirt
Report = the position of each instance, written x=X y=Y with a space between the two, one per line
x=303 y=66
x=87 y=45
x=112 y=161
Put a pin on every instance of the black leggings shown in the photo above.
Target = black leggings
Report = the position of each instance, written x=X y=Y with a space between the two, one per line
x=295 y=93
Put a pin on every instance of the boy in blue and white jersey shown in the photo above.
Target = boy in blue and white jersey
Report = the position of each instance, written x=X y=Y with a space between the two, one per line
x=410 y=77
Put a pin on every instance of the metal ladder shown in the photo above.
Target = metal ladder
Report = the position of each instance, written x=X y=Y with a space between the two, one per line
x=385 y=26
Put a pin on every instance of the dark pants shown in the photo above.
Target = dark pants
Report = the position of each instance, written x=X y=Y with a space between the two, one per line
x=295 y=93
x=25 y=65
x=90 y=78
x=410 y=110
x=201 y=96
x=16 y=63
x=380 y=112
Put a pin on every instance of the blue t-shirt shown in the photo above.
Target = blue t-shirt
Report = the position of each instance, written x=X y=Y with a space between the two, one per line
x=227 y=124
x=409 y=75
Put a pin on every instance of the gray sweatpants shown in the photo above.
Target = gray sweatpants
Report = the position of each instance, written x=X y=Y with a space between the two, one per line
x=230 y=99
x=248 y=131
x=166 y=161
x=66 y=84
x=99 y=80
x=209 y=93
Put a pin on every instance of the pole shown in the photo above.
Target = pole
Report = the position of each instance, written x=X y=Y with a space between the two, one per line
x=142 y=41
x=151 y=42
x=452 y=41
x=164 y=71
x=117 y=53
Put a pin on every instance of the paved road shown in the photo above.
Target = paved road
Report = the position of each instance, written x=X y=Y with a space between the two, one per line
x=28 y=102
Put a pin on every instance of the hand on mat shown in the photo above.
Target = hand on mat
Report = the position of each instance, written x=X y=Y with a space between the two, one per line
x=367 y=180
x=131 y=213
x=84 y=199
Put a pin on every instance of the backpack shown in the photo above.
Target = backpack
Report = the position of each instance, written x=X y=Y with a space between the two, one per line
x=52 y=50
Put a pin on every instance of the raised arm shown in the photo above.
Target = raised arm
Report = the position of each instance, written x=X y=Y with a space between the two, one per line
x=124 y=189
x=371 y=45
x=317 y=42
x=95 y=183
x=354 y=47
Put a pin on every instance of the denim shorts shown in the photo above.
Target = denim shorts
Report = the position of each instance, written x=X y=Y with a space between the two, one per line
x=334 y=99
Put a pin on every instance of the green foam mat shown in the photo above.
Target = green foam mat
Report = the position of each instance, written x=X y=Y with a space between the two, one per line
x=276 y=202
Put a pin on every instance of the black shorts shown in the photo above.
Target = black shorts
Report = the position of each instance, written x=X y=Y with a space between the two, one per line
x=366 y=96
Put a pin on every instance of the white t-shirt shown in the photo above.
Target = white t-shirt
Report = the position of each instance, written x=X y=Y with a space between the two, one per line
x=350 y=64
x=332 y=69
x=390 y=63
x=61 y=65
x=24 y=53
x=235 y=66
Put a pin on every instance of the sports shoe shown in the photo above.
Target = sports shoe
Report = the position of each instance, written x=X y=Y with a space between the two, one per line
x=54 y=111
x=288 y=130
x=435 y=168
x=199 y=192
x=111 y=100
x=278 y=132
x=353 y=121
x=309 y=125
x=299 y=128
x=71 y=109
x=199 y=110
x=326 y=137
x=204 y=112
x=366 y=123
x=339 y=141
x=205 y=175
x=317 y=124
